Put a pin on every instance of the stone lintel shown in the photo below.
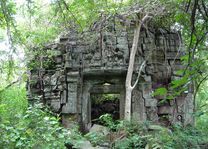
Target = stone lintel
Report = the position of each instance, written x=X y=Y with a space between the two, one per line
x=106 y=89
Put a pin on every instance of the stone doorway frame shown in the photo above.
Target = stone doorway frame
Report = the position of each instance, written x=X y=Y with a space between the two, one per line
x=96 y=86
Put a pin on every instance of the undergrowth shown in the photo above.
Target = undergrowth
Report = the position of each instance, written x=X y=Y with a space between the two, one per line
x=131 y=135
x=35 y=127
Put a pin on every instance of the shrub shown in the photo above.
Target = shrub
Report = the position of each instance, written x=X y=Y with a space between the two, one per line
x=35 y=129
x=153 y=136
x=13 y=102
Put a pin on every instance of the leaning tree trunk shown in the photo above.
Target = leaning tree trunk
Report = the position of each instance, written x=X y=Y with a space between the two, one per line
x=128 y=85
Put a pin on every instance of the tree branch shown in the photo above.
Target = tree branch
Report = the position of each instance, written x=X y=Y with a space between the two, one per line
x=9 y=85
x=199 y=84
x=66 y=6
x=139 y=73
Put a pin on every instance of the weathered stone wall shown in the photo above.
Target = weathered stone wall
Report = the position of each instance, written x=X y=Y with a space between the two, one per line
x=82 y=63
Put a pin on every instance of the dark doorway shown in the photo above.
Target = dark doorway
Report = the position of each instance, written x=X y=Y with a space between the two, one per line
x=104 y=104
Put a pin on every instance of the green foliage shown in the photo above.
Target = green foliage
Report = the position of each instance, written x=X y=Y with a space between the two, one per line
x=13 y=102
x=36 y=24
x=41 y=59
x=148 y=136
x=32 y=127
x=133 y=141
x=160 y=91
x=95 y=138
x=7 y=10
x=108 y=121
x=35 y=129
x=202 y=106
x=157 y=137
x=99 y=98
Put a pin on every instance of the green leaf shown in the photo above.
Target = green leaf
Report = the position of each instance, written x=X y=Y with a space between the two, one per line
x=179 y=83
x=160 y=91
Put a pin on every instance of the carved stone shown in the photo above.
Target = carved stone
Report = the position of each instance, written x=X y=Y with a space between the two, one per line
x=82 y=64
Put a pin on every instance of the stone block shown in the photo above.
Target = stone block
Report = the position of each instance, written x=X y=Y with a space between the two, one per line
x=58 y=59
x=138 y=106
x=69 y=120
x=189 y=109
x=165 y=110
x=62 y=84
x=55 y=105
x=173 y=55
x=147 y=78
x=63 y=96
x=152 y=114
x=69 y=108
x=99 y=129
x=72 y=43
x=60 y=87
x=150 y=102
x=72 y=87
x=86 y=145
x=146 y=90
x=178 y=67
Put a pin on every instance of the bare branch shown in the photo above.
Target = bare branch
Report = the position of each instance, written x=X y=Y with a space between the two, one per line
x=139 y=73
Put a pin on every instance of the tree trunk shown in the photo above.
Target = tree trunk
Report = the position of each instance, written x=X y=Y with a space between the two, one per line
x=129 y=88
x=127 y=115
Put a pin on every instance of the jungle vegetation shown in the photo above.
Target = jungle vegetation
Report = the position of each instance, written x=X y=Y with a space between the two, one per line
x=26 y=24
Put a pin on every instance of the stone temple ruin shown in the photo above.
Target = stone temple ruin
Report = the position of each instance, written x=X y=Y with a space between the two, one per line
x=95 y=63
